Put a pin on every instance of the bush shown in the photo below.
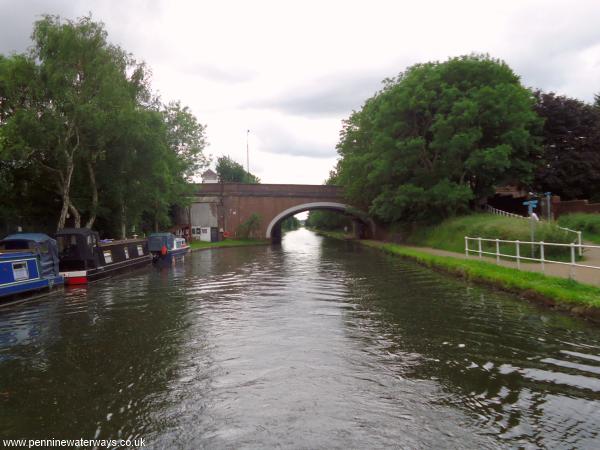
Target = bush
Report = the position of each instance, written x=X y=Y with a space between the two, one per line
x=249 y=229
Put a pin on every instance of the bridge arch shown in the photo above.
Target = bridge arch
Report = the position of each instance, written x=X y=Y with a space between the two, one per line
x=332 y=206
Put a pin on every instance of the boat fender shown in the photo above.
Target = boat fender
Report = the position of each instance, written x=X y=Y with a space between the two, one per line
x=163 y=250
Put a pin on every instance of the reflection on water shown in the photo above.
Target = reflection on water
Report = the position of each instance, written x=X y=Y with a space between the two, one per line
x=312 y=344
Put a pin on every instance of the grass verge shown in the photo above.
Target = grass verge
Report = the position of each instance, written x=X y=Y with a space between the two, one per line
x=561 y=293
x=449 y=235
x=588 y=223
x=201 y=245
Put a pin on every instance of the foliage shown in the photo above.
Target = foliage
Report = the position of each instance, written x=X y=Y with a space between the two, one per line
x=328 y=220
x=82 y=136
x=249 y=228
x=230 y=171
x=437 y=137
x=571 y=162
x=588 y=223
x=289 y=224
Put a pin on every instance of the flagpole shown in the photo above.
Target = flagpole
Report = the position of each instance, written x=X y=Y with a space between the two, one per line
x=247 y=158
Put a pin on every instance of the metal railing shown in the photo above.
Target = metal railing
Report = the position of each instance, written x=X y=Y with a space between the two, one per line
x=578 y=233
x=543 y=246
x=499 y=212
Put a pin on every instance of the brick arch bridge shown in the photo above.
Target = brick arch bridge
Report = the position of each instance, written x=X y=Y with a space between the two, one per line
x=228 y=205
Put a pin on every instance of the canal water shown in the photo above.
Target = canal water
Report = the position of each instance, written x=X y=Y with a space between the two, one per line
x=311 y=344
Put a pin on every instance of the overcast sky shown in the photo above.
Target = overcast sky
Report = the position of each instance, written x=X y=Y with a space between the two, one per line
x=291 y=71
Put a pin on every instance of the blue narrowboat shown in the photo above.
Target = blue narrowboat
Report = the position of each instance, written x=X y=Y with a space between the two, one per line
x=166 y=245
x=28 y=262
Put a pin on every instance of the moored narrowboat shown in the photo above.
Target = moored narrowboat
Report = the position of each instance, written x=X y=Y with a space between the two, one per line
x=28 y=263
x=85 y=258
x=166 y=245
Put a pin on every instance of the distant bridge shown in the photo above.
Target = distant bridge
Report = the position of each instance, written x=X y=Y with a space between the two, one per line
x=231 y=204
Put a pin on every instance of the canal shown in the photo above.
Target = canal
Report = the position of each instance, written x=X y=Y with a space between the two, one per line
x=313 y=344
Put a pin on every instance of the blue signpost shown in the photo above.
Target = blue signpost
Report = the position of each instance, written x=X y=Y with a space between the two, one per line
x=531 y=204
x=548 y=207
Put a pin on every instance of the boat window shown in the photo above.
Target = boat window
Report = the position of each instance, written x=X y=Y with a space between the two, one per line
x=15 y=245
x=67 y=245
x=126 y=251
x=20 y=271
x=44 y=248
x=140 y=250
x=107 y=256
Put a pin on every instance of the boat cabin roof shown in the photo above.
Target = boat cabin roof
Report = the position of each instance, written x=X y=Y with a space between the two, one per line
x=81 y=231
x=33 y=237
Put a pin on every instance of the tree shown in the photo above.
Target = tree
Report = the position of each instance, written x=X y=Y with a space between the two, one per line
x=79 y=127
x=70 y=84
x=186 y=137
x=230 y=171
x=437 y=137
x=570 y=166
x=328 y=220
x=289 y=224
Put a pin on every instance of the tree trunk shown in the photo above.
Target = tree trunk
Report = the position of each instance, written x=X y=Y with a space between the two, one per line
x=94 y=186
x=65 y=180
x=123 y=223
x=65 y=188
x=76 y=215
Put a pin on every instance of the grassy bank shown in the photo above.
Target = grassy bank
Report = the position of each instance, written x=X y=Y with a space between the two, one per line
x=562 y=293
x=588 y=223
x=200 y=245
x=449 y=235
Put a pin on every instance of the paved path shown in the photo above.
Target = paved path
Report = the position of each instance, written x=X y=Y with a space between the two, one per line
x=581 y=274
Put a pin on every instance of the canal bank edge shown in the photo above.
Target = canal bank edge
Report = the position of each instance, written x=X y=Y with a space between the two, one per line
x=227 y=243
x=558 y=293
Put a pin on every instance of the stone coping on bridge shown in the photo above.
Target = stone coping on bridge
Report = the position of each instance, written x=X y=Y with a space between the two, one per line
x=268 y=190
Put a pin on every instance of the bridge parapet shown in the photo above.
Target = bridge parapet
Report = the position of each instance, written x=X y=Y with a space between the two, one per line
x=269 y=190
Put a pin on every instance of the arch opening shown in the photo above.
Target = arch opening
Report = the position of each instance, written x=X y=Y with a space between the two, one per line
x=274 y=228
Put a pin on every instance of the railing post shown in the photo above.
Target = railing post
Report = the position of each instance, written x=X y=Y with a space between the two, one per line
x=579 y=242
x=542 y=255
x=497 y=250
x=479 y=240
x=571 y=273
x=518 y=255
x=467 y=246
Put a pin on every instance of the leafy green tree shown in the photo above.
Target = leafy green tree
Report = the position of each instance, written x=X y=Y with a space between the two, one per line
x=80 y=128
x=186 y=137
x=438 y=137
x=70 y=84
x=289 y=224
x=230 y=171
x=328 y=220
x=570 y=166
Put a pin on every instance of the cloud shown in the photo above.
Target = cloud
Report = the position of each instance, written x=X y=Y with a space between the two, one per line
x=549 y=47
x=220 y=74
x=18 y=19
x=282 y=142
x=334 y=95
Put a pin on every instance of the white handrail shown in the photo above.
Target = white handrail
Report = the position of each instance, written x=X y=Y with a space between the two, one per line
x=517 y=256
x=499 y=212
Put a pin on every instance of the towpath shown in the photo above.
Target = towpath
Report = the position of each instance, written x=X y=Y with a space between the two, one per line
x=581 y=274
